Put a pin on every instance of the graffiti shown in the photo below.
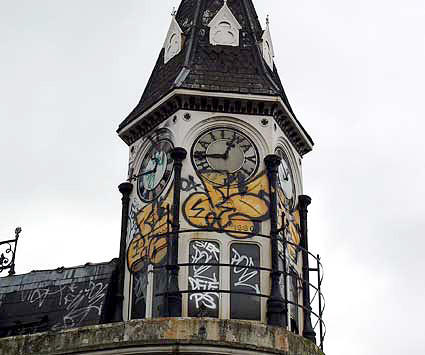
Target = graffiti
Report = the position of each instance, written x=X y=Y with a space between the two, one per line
x=204 y=277
x=228 y=207
x=245 y=276
x=139 y=294
x=289 y=224
x=149 y=243
x=189 y=184
x=78 y=301
x=132 y=221
x=140 y=287
x=245 y=282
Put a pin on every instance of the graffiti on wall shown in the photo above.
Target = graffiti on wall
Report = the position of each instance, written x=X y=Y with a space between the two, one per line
x=204 y=278
x=245 y=279
x=232 y=208
x=78 y=303
x=289 y=224
x=148 y=226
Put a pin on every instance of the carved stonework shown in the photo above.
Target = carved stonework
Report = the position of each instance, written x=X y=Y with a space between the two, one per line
x=174 y=41
x=268 y=51
x=224 y=28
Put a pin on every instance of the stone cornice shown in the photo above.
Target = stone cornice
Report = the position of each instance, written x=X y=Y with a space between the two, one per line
x=164 y=336
x=180 y=99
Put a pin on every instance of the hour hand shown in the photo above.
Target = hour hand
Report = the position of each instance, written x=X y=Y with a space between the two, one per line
x=214 y=156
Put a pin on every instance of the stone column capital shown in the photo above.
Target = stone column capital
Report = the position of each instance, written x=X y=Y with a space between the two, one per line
x=272 y=162
x=178 y=154
x=125 y=188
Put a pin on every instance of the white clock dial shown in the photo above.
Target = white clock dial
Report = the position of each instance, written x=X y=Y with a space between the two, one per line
x=225 y=156
x=155 y=170
x=286 y=179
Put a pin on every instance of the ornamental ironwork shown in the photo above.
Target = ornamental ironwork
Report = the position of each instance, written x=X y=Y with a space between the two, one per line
x=8 y=253
x=312 y=306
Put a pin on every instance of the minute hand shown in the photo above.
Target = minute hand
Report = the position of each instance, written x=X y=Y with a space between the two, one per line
x=214 y=156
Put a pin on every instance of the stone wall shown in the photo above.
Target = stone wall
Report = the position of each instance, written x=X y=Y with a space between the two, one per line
x=164 y=336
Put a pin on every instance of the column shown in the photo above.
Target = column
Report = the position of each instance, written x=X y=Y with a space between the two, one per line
x=277 y=309
x=174 y=299
x=308 y=331
x=125 y=188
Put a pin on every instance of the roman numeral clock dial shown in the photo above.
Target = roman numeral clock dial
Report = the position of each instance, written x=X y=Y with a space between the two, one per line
x=155 y=170
x=286 y=179
x=225 y=156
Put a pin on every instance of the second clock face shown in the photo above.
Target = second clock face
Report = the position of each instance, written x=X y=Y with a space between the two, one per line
x=286 y=178
x=225 y=156
x=155 y=171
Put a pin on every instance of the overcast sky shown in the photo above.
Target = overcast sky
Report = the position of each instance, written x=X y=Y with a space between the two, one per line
x=70 y=72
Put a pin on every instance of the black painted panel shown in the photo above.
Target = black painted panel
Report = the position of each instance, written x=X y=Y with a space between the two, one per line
x=159 y=287
x=204 y=278
x=246 y=280
x=56 y=299
x=139 y=295
x=293 y=297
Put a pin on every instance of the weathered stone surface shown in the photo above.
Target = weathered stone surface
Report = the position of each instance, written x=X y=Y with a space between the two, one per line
x=166 y=336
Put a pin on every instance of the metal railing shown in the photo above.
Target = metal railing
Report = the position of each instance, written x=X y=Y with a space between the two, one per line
x=316 y=306
x=8 y=253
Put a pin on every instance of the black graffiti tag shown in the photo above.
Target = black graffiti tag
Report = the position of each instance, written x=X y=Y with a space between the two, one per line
x=189 y=184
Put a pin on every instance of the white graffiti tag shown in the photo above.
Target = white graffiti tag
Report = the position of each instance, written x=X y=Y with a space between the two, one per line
x=245 y=274
x=74 y=301
x=203 y=279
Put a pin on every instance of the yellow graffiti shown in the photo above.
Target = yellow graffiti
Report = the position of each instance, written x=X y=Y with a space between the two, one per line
x=227 y=208
x=291 y=221
x=150 y=244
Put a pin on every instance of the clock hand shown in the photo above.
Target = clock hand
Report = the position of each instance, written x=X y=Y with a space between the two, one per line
x=230 y=145
x=215 y=156
x=152 y=171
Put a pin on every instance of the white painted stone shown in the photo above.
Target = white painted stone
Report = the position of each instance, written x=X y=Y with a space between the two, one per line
x=268 y=51
x=174 y=41
x=224 y=28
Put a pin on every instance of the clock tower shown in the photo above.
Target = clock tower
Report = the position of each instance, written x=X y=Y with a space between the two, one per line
x=214 y=225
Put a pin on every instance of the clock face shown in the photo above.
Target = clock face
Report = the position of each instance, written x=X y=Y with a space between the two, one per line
x=155 y=171
x=286 y=178
x=225 y=156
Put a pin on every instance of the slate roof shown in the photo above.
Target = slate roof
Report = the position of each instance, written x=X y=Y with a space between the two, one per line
x=202 y=66
x=57 y=299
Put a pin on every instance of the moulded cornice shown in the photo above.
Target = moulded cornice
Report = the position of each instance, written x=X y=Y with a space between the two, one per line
x=191 y=100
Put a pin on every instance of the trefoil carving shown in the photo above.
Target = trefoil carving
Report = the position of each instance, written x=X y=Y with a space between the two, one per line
x=224 y=28
x=174 y=41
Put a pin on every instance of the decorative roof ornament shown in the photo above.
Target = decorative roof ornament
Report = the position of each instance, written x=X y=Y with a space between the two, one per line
x=224 y=28
x=174 y=41
x=268 y=51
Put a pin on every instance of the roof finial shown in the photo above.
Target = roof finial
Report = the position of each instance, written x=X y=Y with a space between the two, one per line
x=174 y=12
x=268 y=20
x=225 y=2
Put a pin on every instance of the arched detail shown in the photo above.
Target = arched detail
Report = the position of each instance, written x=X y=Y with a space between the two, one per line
x=174 y=41
x=224 y=28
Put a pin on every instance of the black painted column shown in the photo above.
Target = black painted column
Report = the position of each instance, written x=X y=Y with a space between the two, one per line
x=277 y=309
x=174 y=299
x=308 y=331
x=125 y=189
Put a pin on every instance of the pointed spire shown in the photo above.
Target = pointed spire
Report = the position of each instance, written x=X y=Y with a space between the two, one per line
x=196 y=62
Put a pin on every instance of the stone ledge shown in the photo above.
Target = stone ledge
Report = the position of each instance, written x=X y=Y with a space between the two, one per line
x=166 y=336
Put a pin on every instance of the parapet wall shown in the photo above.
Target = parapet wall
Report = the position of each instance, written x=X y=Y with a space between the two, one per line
x=164 y=336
